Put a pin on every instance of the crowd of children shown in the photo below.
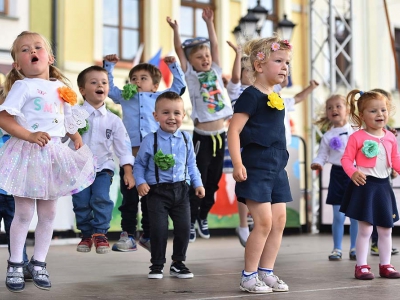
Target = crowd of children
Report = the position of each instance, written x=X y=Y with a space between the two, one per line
x=174 y=175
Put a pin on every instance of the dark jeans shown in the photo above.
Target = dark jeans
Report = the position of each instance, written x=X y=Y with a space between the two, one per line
x=374 y=235
x=129 y=209
x=210 y=168
x=93 y=206
x=168 y=199
x=7 y=209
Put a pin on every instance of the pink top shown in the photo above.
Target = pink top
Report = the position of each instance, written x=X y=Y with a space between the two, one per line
x=353 y=152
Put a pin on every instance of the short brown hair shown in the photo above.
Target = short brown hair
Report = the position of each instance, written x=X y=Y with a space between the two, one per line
x=82 y=75
x=155 y=72
x=169 y=96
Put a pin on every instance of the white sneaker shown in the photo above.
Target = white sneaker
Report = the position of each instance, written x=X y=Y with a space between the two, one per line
x=252 y=284
x=125 y=243
x=274 y=282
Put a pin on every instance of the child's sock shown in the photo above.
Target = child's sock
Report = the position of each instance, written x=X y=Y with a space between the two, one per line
x=244 y=233
x=245 y=273
x=266 y=271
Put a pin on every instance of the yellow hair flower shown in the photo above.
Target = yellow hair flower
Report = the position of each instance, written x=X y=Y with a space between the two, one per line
x=275 y=101
x=67 y=94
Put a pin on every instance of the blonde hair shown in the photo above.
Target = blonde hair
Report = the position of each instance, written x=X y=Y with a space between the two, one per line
x=358 y=105
x=252 y=48
x=15 y=75
x=323 y=122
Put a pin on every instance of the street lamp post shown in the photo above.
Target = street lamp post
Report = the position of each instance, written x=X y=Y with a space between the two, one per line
x=285 y=28
x=252 y=23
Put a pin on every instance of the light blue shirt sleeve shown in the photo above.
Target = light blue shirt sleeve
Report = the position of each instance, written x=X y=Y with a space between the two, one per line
x=115 y=94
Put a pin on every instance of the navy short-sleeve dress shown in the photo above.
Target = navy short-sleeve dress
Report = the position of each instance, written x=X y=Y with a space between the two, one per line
x=264 y=151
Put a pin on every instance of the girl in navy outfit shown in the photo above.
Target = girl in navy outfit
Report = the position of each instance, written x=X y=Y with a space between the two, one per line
x=369 y=197
x=331 y=150
x=262 y=183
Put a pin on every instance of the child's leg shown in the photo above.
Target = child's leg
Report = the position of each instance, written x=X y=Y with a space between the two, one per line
x=129 y=206
x=374 y=236
x=100 y=202
x=213 y=177
x=243 y=211
x=353 y=232
x=384 y=244
x=180 y=216
x=362 y=242
x=262 y=216
x=46 y=211
x=24 y=209
x=83 y=211
x=273 y=243
x=337 y=227
x=158 y=205
x=145 y=217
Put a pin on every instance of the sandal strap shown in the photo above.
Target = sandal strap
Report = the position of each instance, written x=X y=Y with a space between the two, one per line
x=364 y=267
x=15 y=264
x=38 y=263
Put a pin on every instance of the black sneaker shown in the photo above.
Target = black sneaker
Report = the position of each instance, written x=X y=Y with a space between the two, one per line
x=156 y=272
x=178 y=269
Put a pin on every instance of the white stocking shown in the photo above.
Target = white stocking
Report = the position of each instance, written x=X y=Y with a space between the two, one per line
x=362 y=242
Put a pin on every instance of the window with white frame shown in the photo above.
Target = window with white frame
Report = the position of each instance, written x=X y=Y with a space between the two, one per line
x=122 y=27
x=191 y=23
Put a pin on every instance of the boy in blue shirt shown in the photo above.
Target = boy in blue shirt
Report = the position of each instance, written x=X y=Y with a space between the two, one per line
x=164 y=165
x=137 y=100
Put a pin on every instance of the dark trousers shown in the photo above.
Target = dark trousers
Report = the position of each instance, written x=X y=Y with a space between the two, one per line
x=210 y=168
x=168 y=199
x=129 y=209
x=7 y=210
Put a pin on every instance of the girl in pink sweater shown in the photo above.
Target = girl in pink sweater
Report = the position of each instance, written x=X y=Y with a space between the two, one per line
x=369 y=197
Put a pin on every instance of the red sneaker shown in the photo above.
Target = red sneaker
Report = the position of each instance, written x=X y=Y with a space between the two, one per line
x=386 y=273
x=359 y=274
x=101 y=243
x=85 y=245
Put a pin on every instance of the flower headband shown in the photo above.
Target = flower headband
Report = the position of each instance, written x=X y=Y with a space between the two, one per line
x=276 y=46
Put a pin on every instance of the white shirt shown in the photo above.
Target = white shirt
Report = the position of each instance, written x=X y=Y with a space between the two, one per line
x=36 y=105
x=381 y=169
x=328 y=154
x=106 y=135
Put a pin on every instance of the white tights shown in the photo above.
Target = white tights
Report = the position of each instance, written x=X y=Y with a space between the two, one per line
x=24 y=209
x=362 y=243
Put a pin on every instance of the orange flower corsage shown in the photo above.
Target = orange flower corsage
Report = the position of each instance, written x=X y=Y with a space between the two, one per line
x=67 y=94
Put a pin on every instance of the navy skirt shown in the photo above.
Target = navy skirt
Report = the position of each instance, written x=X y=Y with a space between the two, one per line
x=373 y=202
x=267 y=180
x=338 y=183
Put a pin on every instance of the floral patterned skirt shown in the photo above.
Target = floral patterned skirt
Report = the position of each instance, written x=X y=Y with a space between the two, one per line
x=46 y=173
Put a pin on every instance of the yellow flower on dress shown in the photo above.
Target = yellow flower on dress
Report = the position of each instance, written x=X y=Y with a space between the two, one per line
x=67 y=94
x=275 y=101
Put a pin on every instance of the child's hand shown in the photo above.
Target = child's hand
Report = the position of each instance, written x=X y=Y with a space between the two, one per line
x=112 y=58
x=285 y=82
x=208 y=15
x=78 y=142
x=41 y=138
x=129 y=180
x=239 y=173
x=169 y=60
x=200 y=192
x=394 y=174
x=237 y=49
x=313 y=84
x=393 y=130
x=316 y=167
x=143 y=189
x=173 y=24
x=359 y=178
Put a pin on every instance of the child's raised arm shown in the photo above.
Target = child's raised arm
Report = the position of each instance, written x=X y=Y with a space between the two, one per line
x=208 y=17
x=236 y=64
x=178 y=44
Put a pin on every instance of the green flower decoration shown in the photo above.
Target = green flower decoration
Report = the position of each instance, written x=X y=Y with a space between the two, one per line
x=164 y=161
x=370 y=148
x=84 y=129
x=129 y=91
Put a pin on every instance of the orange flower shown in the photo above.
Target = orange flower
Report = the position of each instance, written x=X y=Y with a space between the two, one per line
x=67 y=94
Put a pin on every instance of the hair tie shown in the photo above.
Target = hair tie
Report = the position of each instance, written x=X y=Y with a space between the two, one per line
x=361 y=93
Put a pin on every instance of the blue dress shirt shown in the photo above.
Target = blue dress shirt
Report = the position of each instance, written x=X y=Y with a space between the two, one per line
x=138 y=111
x=169 y=143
